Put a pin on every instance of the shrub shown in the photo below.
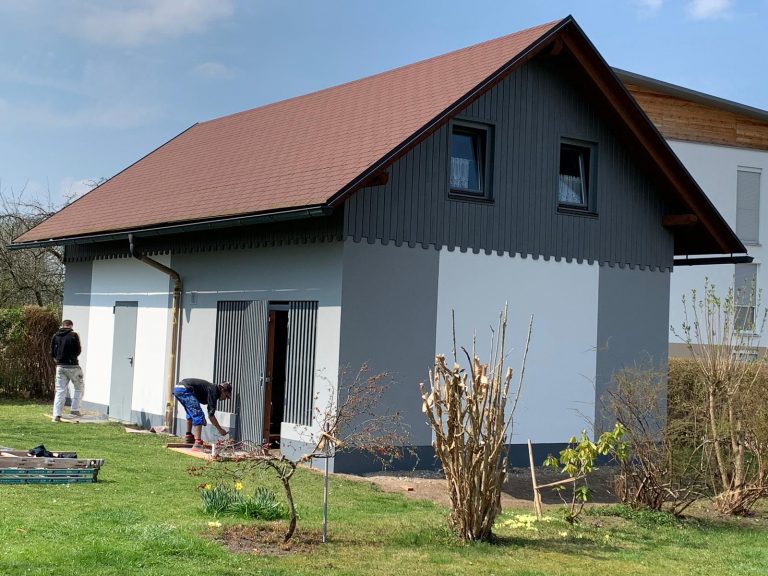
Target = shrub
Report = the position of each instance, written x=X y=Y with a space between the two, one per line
x=26 y=368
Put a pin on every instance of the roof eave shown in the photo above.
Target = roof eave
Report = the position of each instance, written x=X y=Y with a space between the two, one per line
x=314 y=211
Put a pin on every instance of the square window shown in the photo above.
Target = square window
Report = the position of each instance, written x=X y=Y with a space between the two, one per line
x=575 y=182
x=469 y=167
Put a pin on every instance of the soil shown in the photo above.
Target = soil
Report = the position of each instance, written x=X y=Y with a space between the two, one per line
x=264 y=540
x=517 y=492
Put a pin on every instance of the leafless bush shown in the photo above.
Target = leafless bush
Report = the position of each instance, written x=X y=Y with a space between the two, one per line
x=664 y=468
x=467 y=413
x=26 y=367
x=722 y=334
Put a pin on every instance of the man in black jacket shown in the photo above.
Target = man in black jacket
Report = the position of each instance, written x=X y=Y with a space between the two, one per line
x=65 y=348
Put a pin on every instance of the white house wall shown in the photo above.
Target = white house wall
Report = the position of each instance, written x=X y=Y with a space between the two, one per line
x=292 y=272
x=128 y=280
x=557 y=399
x=715 y=170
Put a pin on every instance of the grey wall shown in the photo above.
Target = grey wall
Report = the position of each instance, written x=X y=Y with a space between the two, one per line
x=389 y=297
x=632 y=328
x=77 y=300
x=530 y=111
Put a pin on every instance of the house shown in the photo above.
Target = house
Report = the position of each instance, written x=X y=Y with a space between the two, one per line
x=724 y=145
x=279 y=246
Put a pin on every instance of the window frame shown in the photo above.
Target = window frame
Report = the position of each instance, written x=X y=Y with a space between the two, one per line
x=745 y=297
x=483 y=150
x=589 y=206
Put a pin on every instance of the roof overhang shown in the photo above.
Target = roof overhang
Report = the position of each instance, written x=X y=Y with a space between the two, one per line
x=179 y=228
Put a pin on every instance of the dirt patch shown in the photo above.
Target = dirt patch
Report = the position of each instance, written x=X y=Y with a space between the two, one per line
x=517 y=492
x=264 y=539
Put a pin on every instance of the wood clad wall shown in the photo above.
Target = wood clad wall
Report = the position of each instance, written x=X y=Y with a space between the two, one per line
x=530 y=111
x=680 y=119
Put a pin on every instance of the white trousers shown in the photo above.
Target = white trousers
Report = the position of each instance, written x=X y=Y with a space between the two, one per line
x=64 y=376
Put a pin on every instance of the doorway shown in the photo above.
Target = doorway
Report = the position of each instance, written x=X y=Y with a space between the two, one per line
x=277 y=354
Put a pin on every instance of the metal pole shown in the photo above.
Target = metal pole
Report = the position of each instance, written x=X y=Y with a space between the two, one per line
x=325 y=504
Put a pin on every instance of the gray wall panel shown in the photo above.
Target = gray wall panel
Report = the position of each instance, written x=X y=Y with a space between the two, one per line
x=388 y=321
x=77 y=300
x=632 y=328
x=530 y=110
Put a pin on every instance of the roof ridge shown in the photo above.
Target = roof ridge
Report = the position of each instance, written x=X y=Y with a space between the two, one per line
x=390 y=71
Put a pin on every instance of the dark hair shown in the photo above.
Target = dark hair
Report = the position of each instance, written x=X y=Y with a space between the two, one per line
x=67 y=323
x=226 y=387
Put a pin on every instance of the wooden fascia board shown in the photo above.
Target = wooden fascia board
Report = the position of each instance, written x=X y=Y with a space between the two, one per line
x=649 y=138
x=433 y=125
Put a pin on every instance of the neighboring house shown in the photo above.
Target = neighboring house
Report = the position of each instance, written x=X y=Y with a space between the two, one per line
x=724 y=145
x=344 y=226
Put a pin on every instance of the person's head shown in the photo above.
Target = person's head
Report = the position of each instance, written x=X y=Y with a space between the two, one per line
x=225 y=391
x=67 y=324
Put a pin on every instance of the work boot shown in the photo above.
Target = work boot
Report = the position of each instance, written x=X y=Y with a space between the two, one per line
x=189 y=438
x=56 y=419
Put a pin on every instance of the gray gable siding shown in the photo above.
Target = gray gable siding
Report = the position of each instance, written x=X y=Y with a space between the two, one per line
x=530 y=111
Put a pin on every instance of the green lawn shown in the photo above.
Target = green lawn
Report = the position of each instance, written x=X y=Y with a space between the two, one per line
x=143 y=517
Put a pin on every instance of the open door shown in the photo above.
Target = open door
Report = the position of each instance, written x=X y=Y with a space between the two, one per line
x=123 y=351
x=240 y=358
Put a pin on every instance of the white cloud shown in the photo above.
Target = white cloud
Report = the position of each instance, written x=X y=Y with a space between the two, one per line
x=214 y=71
x=147 y=21
x=649 y=7
x=708 y=9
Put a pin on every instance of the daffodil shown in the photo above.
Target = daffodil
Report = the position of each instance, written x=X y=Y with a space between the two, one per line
x=214 y=524
x=207 y=487
x=238 y=486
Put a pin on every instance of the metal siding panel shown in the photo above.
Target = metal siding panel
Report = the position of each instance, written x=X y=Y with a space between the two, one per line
x=300 y=369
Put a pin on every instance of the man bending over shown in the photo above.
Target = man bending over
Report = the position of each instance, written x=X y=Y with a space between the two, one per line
x=191 y=392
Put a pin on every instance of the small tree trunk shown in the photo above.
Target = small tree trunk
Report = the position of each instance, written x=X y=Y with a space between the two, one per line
x=286 y=480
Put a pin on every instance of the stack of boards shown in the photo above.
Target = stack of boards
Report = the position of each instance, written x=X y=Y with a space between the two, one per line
x=17 y=467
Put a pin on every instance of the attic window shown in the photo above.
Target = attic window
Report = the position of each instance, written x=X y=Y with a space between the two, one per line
x=469 y=160
x=575 y=185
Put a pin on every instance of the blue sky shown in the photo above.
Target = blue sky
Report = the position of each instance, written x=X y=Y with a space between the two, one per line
x=89 y=87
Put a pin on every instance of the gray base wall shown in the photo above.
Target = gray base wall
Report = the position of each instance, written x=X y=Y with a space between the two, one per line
x=423 y=458
x=632 y=330
x=389 y=307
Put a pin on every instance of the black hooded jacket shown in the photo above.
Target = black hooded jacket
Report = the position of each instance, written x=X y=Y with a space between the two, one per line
x=65 y=347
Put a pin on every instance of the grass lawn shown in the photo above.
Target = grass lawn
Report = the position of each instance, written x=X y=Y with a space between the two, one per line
x=143 y=517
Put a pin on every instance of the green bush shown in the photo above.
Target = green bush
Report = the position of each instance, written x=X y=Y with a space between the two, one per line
x=26 y=368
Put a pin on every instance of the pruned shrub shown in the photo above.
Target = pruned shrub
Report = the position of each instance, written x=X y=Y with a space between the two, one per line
x=26 y=367
x=468 y=416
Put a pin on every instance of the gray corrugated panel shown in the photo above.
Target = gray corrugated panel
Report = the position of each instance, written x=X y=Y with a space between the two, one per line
x=241 y=340
x=326 y=229
x=300 y=368
x=530 y=111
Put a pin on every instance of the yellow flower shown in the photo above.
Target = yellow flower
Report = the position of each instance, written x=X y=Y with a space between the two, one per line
x=238 y=486
x=207 y=487
x=214 y=524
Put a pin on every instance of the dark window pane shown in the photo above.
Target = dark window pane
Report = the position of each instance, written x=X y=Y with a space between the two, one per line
x=574 y=175
x=465 y=162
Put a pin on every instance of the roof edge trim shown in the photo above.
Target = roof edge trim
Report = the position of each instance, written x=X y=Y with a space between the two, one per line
x=164 y=230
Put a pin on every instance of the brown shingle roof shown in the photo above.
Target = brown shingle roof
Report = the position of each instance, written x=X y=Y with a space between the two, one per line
x=294 y=153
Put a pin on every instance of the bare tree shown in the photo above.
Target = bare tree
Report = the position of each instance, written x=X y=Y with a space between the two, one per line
x=31 y=276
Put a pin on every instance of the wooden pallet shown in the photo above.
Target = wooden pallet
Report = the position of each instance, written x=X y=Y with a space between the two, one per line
x=16 y=467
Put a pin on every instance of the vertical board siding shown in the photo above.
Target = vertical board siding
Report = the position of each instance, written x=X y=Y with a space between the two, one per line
x=530 y=111
x=240 y=356
x=300 y=369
